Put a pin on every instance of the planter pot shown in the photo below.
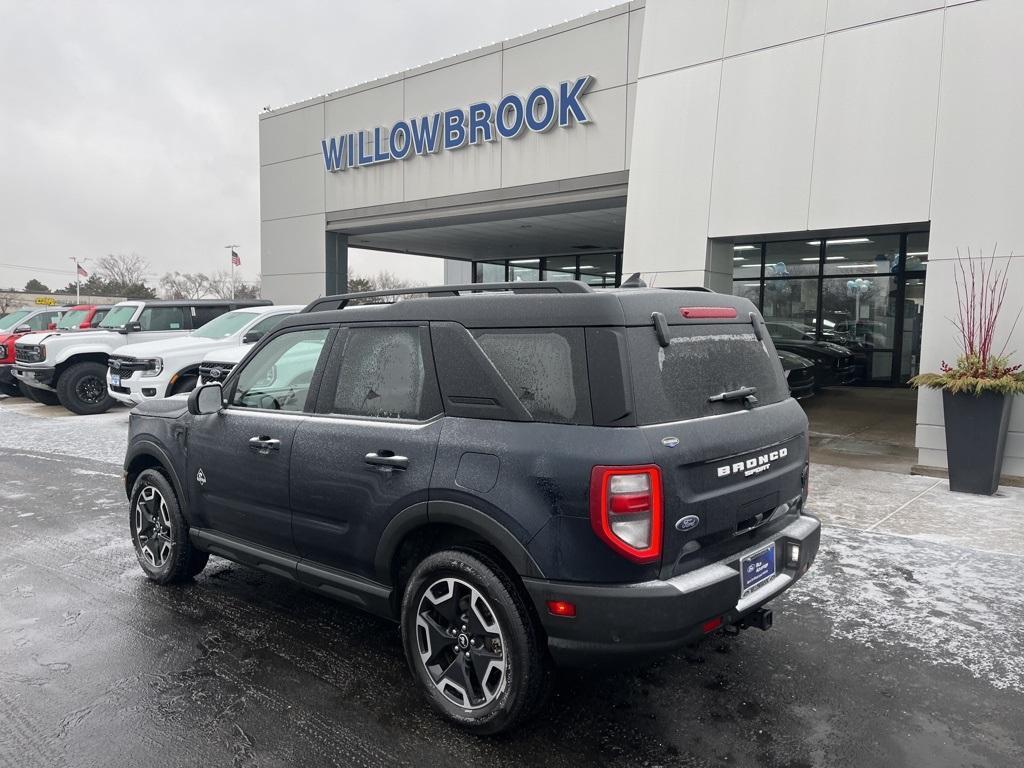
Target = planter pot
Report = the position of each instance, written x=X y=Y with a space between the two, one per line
x=975 y=438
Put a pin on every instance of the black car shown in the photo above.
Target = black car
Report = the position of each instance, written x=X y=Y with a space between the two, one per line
x=799 y=373
x=519 y=474
x=833 y=364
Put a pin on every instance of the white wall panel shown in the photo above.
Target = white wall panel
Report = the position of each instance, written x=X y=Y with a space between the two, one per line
x=289 y=135
x=636 y=32
x=472 y=168
x=365 y=110
x=680 y=33
x=851 y=13
x=765 y=139
x=630 y=115
x=876 y=124
x=293 y=245
x=292 y=188
x=597 y=49
x=755 y=24
x=582 y=150
x=293 y=288
x=670 y=178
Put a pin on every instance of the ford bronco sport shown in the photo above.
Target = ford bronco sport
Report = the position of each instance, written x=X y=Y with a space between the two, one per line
x=519 y=474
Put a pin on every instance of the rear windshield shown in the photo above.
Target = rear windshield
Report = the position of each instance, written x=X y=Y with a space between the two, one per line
x=674 y=383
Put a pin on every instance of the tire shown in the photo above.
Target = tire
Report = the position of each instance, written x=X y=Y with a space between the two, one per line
x=184 y=384
x=82 y=389
x=484 y=669
x=37 y=395
x=160 y=533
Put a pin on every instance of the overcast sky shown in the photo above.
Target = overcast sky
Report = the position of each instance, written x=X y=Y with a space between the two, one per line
x=131 y=126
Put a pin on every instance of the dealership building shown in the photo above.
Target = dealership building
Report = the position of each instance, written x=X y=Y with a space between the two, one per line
x=824 y=158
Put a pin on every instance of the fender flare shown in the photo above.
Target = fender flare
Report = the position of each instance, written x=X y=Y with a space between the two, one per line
x=460 y=516
x=150 y=448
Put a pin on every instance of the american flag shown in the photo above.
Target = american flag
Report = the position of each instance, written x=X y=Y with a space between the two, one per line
x=235 y=260
x=81 y=271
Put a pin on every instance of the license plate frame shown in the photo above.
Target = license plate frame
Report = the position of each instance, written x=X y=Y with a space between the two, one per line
x=757 y=569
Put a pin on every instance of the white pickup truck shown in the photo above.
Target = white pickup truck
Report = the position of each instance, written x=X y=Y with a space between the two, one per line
x=169 y=367
x=74 y=365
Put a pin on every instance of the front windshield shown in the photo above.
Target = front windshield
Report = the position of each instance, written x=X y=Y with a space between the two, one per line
x=9 y=321
x=73 y=319
x=119 y=316
x=224 y=326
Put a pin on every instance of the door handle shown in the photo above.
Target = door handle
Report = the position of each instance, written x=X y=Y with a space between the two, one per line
x=387 y=461
x=264 y=445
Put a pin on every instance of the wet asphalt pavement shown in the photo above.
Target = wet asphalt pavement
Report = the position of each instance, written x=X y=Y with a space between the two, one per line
x=98 y=667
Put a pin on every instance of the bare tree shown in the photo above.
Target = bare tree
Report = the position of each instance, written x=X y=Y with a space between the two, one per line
x=221 y=286
x=122 y=268
x=389 y=281
x=185 y=285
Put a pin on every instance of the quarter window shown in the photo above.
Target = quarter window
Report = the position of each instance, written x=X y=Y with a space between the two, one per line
x=278 y=377
x=383 y=375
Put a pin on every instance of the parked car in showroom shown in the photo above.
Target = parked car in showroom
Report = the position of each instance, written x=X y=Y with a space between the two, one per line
x=519 y=474
x=74 y=365
x=833 y=364
x=799 y=373
x=167 y=367
x=14 y=326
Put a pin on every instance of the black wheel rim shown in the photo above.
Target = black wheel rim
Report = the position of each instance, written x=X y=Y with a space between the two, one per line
x=90 y=389
x=152 y=524
x=460 y=643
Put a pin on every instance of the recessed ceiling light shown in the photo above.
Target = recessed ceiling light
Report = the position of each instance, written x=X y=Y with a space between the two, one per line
x=809 y=258
x=586 y=266
x=917 y=253
x=523 y=261
x=855 y=266
x=744 y=247
x=737 y=258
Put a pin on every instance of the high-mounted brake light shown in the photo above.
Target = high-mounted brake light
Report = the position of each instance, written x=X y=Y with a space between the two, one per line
x=693 y=313
x=626 y=510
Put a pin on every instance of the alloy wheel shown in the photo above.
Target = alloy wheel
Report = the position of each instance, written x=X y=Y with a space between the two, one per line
x=460 y=643
x=90 y=389
x=153 y=526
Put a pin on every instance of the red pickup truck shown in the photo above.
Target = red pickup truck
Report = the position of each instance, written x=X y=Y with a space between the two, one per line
x=17 y=323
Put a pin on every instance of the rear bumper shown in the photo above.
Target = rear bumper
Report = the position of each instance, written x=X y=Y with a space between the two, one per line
x=41 y=378
x=632 y=620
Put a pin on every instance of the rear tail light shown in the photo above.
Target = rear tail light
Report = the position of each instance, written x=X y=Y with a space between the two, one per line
x=626 y=510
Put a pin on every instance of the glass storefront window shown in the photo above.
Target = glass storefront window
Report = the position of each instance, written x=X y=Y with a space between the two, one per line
x=750 y=290
x=791 y=308
x=913 y=321
x=489 y=272
x=917 y=251
x=794 y=258
x=598 y=270
x=746 y=262
x=560 y=268
x=524 y=270
x=859 y=313
x=876 y=254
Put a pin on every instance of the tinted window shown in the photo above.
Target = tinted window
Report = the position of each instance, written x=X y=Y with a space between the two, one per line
x=162 y=319
x=98 y=317
x=202 y=315
x=278 y=376
x=545 y=368
x=674 y=383
x=42 y=321
x=383 y=375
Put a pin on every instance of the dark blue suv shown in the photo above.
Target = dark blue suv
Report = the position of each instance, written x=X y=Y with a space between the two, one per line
x=519 y=474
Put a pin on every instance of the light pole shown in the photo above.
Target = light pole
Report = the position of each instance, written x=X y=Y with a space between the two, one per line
x=235 y=261
x=78 y=278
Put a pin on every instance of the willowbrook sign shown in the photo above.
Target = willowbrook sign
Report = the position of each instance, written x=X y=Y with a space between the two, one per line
x=453 y=129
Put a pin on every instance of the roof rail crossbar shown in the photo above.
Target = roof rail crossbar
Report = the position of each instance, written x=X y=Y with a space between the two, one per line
x=341 y=300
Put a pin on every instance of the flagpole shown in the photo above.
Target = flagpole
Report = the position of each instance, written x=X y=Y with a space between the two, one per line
x=78 y=281
x=231 y=256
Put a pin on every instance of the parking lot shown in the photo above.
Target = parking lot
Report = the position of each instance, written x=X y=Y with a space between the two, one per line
x=903 y=646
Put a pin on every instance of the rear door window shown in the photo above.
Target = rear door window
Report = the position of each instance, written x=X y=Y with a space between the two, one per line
x=162 y=319
x=674 y=383
x=544 y=367
x=384 y=374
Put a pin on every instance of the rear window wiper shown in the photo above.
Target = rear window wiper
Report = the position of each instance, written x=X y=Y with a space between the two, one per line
x=746 y=394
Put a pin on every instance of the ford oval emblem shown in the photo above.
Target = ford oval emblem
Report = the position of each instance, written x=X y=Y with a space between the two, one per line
x=687 y=523
x=670 y=442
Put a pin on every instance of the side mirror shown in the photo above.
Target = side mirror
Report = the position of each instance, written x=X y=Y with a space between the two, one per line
x=23 y=329
x=133 y=327
x=205 y=400
x=253 y=336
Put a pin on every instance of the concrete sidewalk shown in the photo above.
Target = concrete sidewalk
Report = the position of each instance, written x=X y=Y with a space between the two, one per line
x=922 y=508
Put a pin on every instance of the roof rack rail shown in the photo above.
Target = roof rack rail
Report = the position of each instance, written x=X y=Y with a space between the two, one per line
x=341 y=300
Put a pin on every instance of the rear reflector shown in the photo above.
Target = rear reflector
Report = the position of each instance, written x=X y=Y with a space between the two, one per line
x=693 y=313
x=711 y=624
x=562 y=608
